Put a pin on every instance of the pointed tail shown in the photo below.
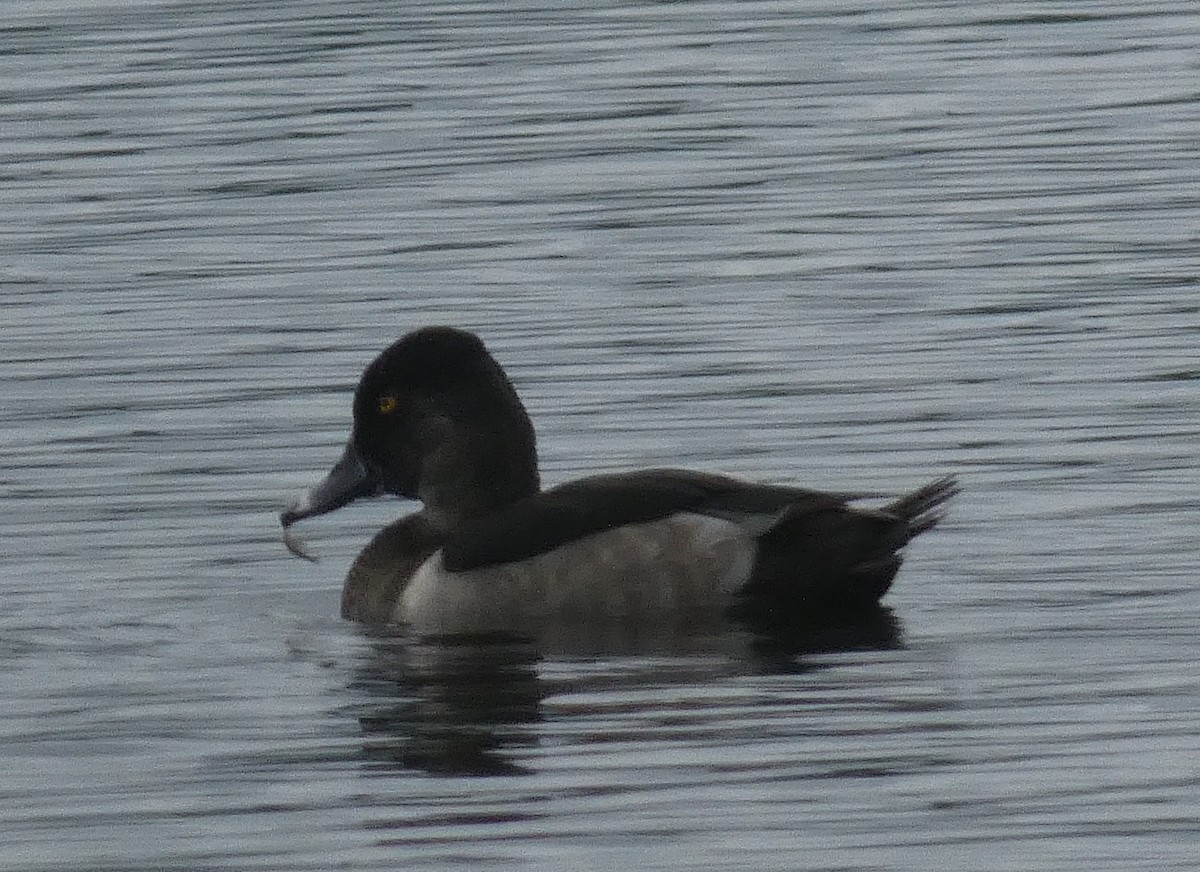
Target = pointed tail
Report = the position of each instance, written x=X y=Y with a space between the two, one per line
x=924 y=507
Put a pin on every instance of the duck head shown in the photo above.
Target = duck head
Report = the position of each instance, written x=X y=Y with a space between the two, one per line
x=437 y=420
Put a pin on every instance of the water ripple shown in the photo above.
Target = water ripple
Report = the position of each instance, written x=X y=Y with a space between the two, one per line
x=845 y=247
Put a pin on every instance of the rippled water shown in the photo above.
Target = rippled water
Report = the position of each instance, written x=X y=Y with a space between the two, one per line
x=850 y=246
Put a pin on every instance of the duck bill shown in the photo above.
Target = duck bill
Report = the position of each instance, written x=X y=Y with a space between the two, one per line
x=349 y=479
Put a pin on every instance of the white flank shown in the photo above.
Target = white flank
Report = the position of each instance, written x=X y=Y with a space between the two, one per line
x=666 y=568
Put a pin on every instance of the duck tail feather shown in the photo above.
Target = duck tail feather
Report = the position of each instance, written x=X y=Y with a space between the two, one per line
x=924 y=508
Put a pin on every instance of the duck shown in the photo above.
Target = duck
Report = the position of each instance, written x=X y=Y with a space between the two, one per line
x=436 y=420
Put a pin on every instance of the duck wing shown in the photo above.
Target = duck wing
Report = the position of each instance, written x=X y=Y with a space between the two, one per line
x=837 y=557
x=543 y=521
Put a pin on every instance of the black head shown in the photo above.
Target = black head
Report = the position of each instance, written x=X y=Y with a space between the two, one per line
x=435 y=419
x=437 y=398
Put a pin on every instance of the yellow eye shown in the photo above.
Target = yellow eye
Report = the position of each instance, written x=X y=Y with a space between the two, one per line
x=387 y=404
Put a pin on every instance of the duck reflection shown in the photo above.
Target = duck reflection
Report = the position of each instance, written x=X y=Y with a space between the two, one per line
x=470 y=705
x=783 y=647
x=450 y=706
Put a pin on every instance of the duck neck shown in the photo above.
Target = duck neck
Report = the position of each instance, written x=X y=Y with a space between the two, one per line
x=470 y=478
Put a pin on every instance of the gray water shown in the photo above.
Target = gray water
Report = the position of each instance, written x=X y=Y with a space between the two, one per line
x=849 y=246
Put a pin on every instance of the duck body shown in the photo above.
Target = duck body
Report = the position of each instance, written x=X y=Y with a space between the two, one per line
x=676 y=568
x=436 y=420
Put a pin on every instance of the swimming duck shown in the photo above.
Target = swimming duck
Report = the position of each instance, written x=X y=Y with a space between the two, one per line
x=436 y=419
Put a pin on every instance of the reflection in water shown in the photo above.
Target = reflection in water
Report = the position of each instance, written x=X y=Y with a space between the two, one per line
x=465 y=705
x=783 y=647
x=453 y=706
x=844 y=242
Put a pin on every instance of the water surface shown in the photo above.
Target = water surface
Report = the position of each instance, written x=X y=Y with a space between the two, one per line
x=851 y=247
